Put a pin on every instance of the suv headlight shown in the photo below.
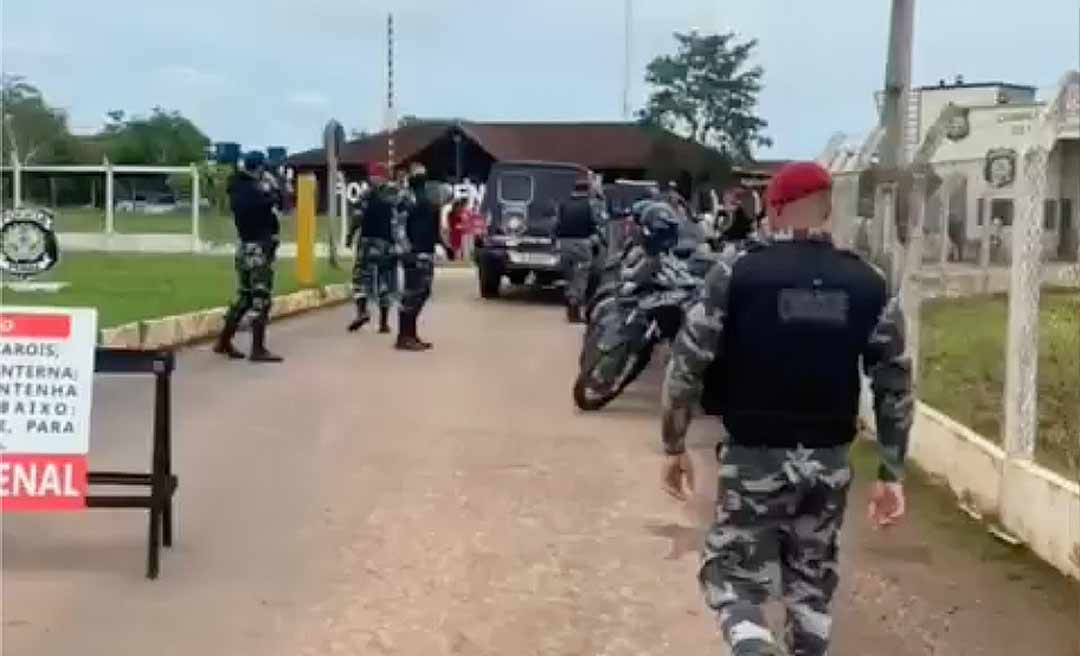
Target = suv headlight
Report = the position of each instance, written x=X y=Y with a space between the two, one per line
x=515 y=225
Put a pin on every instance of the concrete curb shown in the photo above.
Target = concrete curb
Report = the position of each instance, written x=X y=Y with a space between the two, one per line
x=177 y=330
x=1037 y=505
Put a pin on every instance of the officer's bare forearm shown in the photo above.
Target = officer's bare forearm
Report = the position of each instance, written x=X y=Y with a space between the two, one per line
x=676 y=421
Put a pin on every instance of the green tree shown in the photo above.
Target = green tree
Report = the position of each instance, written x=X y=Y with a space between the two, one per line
x=708 y=92
x=214 y=179
x=165 y=138
x=32 y=130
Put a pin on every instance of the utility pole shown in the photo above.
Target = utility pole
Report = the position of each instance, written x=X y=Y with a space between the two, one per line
x=627 y=36
x=893 y=116
x=391 y=119
x=897 y=82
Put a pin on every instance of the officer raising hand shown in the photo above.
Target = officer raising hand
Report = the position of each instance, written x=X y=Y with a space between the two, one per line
x=776 y=341
x=253 y=203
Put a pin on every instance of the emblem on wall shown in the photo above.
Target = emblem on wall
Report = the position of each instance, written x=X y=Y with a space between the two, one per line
x=1070 y=101
x=1000 y=168
x=28 y=245
x=959 y=126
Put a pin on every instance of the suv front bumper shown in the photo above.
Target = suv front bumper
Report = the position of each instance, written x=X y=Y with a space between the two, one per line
x=520 y=255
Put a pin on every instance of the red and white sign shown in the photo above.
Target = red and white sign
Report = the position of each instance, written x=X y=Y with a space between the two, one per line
x=46 y=389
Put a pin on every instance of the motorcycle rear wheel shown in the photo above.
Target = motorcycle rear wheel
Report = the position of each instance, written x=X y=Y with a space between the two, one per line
x=589 y=399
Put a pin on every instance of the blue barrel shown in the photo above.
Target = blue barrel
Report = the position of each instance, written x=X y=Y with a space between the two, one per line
x=275 y=155
x=227 y=152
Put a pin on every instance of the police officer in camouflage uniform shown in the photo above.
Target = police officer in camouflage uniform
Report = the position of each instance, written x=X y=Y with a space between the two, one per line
x=421 y=235
x=375 y=267
x=775 y=341
x=253 y=204
x=577 y=231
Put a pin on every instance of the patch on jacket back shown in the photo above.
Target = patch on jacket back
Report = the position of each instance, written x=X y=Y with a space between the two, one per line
x=814 y=306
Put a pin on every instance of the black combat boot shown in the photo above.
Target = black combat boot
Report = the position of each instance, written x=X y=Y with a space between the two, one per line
x=406 y=340
x=573 y=313
x=415 y=332
x=224 y=345
x=362 y=316
x=259 y=352
x=384 y=320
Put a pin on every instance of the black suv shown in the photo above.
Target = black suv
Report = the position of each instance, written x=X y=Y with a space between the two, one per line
x=521 y=206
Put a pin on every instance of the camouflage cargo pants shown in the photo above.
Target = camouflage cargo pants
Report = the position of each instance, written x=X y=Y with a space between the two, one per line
x=374 y=272
x=255 y=281
x=776 y=507
x=577 y=261
x=419 y=273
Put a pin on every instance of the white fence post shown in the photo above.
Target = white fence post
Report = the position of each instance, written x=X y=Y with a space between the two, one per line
x=910 y=283
x=946 y=243
x=343 y=208
x=196 y=240
x=1025 y=277
x=110 y=201
x=16 y=182
x=984 y=248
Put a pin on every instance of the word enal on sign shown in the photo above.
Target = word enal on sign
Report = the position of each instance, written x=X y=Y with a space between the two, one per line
x=42 y=482
x=46 y=392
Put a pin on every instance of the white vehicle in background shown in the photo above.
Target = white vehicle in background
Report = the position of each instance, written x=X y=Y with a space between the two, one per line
x=151 y=203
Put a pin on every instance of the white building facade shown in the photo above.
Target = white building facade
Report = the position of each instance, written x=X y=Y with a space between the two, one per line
x=978 y=162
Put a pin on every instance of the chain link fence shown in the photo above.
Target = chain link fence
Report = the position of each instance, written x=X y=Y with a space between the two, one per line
x=998 y=343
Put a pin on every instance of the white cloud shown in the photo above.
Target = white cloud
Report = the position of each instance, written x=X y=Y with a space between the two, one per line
x=309 y=99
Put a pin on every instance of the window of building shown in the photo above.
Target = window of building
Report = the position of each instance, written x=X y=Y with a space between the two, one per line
x=980 y=211
x=1002 y=208
x=1050 y=214
x=1067 y=214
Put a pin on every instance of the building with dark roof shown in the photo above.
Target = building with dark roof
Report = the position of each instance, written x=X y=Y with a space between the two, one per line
x=452 y=150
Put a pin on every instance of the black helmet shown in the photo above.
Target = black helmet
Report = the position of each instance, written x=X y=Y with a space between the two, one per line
x=254 y=160
x=659 y=227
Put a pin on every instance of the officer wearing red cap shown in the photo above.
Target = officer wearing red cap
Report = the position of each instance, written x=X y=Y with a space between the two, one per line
x=375 y=268
x=774 y=347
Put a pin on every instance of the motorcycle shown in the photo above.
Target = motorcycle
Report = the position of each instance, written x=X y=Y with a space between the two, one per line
x=628 y=319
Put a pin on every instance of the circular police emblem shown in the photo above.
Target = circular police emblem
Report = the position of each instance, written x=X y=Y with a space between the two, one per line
x=958 y=127
x=1000 y=168
x=28 y=245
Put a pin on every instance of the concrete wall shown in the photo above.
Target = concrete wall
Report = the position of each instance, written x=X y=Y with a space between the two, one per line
x=168 y=332
x=164 y=243
x=1036 y=505
x=141 y=243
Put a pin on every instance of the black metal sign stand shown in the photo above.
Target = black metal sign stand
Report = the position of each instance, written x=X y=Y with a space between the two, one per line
x=161 y=481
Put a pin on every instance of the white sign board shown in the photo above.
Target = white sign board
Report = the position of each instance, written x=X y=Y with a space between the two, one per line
x=46 y=390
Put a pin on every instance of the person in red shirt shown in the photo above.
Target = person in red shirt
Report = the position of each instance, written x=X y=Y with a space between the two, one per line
x=457 y=223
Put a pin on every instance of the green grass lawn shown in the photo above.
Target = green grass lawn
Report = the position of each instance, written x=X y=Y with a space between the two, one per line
x=962 y=370
x=213 y=227
x=129 y=287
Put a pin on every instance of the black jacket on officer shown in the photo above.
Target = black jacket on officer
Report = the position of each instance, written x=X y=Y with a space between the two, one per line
x=774 y=347
x=252 y=208
x=377 y=220
x=577 y=218
x=422 y=220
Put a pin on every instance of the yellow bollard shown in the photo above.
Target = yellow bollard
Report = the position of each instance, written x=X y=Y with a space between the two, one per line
x=305 y=230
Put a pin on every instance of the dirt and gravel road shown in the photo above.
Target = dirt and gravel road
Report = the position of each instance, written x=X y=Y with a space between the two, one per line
x=357 y=500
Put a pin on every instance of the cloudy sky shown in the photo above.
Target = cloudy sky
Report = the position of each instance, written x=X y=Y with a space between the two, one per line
x=273 y=71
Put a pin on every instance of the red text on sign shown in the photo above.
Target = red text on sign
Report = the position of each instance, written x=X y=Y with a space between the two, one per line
x=42 y=482
x=35 y=326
